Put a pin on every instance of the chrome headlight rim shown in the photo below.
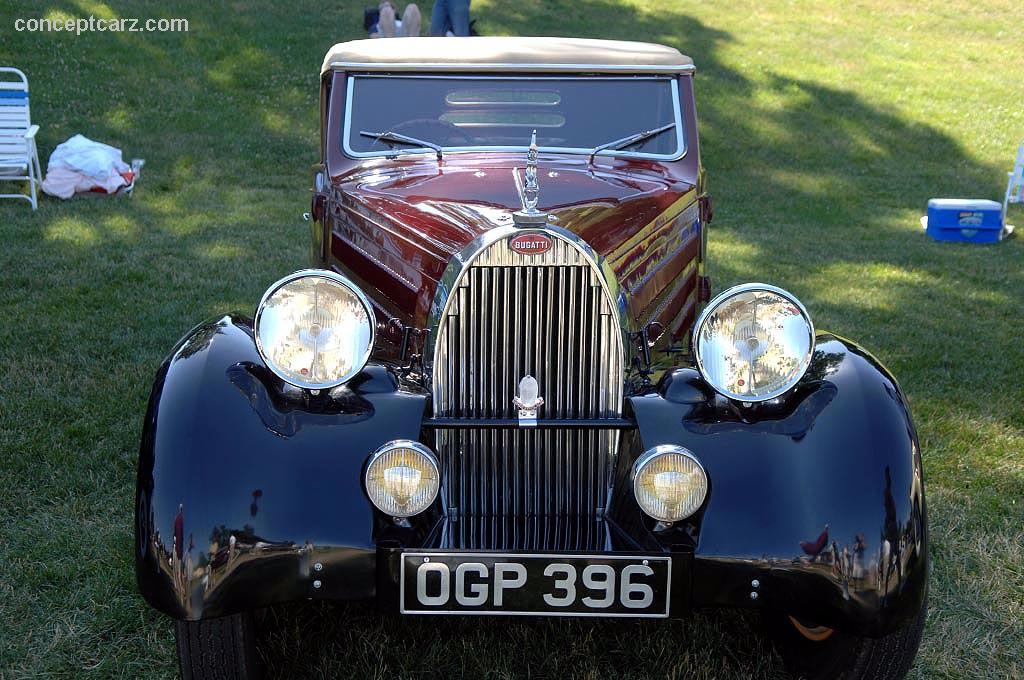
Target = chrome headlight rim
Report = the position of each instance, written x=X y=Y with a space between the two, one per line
x=330 y=276
x=661 y=450
x=729 y=293
x=419 y=448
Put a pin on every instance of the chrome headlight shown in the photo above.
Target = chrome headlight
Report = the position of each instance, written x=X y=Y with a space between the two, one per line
x=753 y=342
x=669 y=483
x=314 y=329
x=402 y=478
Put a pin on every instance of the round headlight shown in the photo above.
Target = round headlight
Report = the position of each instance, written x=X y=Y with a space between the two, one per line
x=669 y=483
x=314 y=329
x=402 y=478
x=753 y=342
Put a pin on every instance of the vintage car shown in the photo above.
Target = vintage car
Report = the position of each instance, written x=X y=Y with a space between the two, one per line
x=506 y=389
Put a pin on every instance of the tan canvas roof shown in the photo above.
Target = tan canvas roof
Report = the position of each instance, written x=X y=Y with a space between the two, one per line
x=505 y=54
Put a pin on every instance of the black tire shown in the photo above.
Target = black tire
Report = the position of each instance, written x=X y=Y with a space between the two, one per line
x=218 y=649
x=841 y=656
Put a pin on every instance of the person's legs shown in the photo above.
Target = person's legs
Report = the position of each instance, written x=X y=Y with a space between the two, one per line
x=458 y=12
x=439 y=18
x=411 y=20
x=386 y=23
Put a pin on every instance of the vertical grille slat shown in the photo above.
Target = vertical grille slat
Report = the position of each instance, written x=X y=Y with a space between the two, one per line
x=470 y=320
x=548 y=316
x=571 y=345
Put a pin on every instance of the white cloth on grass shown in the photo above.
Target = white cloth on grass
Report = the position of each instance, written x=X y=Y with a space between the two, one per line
x=80 y=164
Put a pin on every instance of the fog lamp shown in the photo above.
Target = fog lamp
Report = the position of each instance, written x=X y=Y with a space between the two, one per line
x=669 y=483
x=402 y=478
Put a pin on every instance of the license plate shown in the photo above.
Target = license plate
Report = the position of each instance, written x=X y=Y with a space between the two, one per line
x=535 y=584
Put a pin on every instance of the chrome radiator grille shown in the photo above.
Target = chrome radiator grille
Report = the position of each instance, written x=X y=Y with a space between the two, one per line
x=511 y=315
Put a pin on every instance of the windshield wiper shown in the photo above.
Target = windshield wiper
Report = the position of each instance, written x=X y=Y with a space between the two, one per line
x=398 y=138
x=632 y=139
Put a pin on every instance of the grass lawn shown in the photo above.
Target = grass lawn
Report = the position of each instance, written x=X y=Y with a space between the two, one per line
x=826 y=127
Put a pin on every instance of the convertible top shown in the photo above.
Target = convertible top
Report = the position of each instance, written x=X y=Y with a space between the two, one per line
x=505 y=54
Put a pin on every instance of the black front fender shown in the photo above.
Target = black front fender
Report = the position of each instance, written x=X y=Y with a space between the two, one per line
x=819 y=497
x=250 y=494
x=245 y=488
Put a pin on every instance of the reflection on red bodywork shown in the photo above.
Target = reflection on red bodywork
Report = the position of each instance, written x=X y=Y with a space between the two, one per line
x=395 y=224
x=399 y=225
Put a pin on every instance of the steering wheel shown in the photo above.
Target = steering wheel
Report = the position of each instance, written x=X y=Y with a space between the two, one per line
x=444 y=130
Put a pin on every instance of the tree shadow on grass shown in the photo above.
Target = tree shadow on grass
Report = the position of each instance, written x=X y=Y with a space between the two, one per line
x=819 y=189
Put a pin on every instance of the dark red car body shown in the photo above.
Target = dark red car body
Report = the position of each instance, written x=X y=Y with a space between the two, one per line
x=393 y=225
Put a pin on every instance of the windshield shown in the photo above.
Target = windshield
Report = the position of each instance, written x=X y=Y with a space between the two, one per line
x=573 y=115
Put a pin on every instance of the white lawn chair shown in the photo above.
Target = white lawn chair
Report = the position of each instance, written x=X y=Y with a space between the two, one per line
x=19 y=159
x=1015 y=182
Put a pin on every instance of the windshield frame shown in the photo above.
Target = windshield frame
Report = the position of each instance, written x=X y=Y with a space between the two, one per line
x=673 y=81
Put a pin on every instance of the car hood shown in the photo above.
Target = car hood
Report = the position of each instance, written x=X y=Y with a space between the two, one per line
x=442 y=209
x=411 y=218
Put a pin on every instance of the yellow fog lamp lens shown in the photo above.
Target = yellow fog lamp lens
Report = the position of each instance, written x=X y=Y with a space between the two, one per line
x=402 y=478
x=669 y=483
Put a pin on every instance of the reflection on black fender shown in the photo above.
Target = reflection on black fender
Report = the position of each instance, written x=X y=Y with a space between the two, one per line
x=819 y=497
x=249 y=494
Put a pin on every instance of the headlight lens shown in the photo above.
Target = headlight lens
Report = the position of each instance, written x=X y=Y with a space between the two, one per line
x=669 y=483
x=753 y=342
x=314 y=329
x=402 y=478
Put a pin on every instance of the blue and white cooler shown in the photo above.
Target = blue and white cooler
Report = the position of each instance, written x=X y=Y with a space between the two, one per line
x=973 y=220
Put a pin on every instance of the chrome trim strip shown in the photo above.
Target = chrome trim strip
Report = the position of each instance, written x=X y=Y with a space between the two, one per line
x=681 y=146
x=360 y=211
x=668 y=296
x=722 y=297
x=331 y=276
x=514 y=68
x=379 y=261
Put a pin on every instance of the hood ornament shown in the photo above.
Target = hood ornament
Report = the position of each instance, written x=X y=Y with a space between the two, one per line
x=528 y=401
x=529 y=193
